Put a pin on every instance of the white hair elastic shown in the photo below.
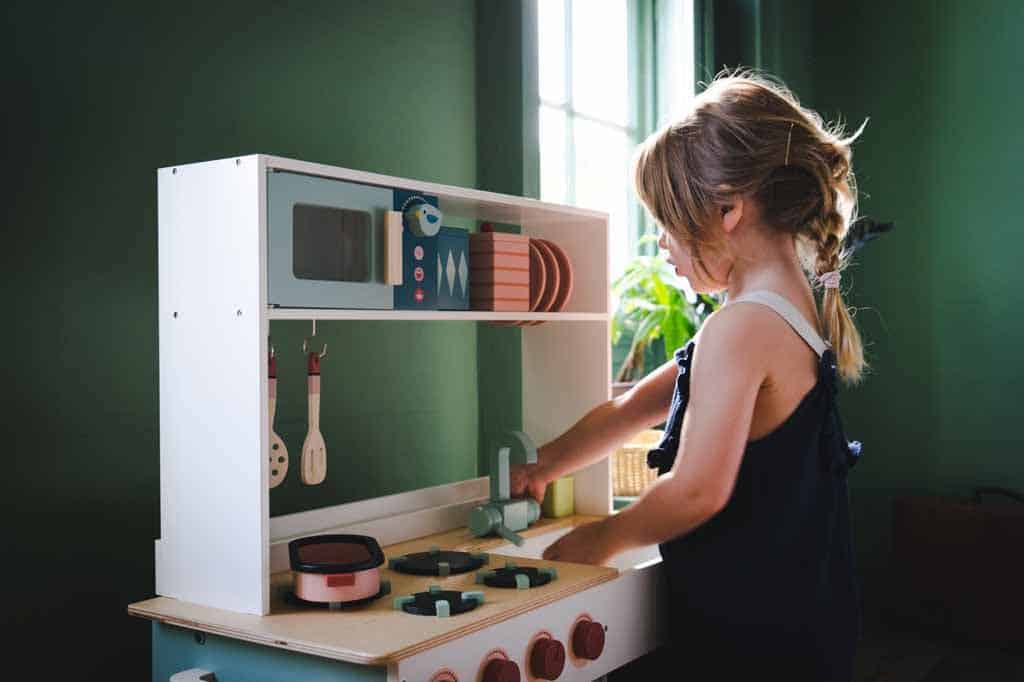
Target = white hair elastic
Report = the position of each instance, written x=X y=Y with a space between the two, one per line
x=829 y=280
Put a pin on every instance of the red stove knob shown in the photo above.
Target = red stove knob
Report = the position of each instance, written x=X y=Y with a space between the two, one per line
x=501 y=670
x=588 y=640
x=547 y=659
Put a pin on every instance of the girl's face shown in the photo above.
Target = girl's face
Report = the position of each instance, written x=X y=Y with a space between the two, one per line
x=682 y=260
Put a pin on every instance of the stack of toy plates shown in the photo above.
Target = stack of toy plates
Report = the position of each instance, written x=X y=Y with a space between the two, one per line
x=499 y=265
x=551 y=278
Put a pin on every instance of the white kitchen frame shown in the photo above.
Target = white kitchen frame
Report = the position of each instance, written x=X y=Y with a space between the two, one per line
x=214 y=321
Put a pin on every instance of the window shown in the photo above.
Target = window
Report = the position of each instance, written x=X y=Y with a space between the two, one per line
x=610 y=72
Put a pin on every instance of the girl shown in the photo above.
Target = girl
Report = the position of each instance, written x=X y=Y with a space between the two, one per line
x=750 y=191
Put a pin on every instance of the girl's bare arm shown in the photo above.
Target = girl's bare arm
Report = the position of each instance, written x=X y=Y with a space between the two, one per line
x=608 y=425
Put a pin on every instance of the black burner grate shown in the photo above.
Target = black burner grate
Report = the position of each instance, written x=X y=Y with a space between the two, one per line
x=437 y=562
x=519 y=577
x=438 y=602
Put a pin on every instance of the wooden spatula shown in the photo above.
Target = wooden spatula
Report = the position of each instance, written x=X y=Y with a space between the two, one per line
x=313 y=464
x=278 y=452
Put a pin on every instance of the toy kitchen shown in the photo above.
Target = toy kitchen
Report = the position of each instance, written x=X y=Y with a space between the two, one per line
x=436 y=584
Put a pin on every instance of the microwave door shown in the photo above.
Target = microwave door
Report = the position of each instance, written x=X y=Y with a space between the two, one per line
x=325 y=240
x=331 y=244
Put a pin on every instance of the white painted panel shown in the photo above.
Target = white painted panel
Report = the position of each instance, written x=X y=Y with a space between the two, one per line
x=633 y=607
x=391 y=530
x=213 y=498
x=566 y=373
x=289 y=526
x=437 y=315
x=461 y=201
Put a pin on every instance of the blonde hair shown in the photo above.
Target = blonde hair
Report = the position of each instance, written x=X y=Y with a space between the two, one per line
x=748 y=134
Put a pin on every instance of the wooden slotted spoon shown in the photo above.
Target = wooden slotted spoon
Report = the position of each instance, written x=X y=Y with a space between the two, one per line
x=313 y=465
x=278 y=452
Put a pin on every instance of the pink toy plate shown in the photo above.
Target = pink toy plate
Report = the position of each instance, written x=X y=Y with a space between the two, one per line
x=551 y=283
x=538 y=275
x=565 y=282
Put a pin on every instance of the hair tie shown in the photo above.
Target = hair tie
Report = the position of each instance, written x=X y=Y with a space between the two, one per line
x=829 y=280
x=789 y=138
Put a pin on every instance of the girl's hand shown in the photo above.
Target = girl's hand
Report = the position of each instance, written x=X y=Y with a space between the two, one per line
x=586 y=544
x=527 y=479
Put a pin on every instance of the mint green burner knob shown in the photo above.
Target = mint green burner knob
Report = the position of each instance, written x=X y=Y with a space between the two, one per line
x=478 y=597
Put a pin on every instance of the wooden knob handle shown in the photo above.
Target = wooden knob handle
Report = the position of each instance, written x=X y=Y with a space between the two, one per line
x=501 y=670
x=547 y=659
x=588 y=640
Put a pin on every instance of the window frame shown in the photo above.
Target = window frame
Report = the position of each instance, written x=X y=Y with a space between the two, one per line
x=645 y=25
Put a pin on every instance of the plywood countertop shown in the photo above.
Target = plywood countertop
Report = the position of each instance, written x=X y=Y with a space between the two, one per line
x=377 y=634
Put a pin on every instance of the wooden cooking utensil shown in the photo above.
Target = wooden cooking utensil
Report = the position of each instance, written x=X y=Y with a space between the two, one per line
x=313 y=465
x=278 y=452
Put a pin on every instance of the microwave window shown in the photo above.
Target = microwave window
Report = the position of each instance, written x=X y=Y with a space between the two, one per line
x=330 y=244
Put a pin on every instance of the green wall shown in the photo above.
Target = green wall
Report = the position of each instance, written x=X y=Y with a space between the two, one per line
x=939 y=295
x=96 y=98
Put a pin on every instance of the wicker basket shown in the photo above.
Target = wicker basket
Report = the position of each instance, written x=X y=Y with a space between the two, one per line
x=630 y=473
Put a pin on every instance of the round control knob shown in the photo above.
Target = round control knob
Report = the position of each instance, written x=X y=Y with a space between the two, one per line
x=547 y=659
x=444 y=676
x=588 y=640
x=501 y=670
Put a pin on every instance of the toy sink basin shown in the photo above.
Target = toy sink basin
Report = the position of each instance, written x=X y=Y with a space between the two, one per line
x=533 y=548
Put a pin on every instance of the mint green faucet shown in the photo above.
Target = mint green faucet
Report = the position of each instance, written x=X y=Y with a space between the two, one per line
x=503 y=515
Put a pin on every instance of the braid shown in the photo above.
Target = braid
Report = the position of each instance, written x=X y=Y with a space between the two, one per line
x=828 y=233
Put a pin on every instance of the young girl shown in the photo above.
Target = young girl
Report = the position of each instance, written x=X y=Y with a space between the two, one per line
x=750 y=191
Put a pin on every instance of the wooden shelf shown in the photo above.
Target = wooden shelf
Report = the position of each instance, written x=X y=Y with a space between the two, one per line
x=464 y=315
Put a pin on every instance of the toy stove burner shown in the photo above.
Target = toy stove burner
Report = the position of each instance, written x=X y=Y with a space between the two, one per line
x=438 y=602
x=519 y=577
x=290 y=597
x=437 y=562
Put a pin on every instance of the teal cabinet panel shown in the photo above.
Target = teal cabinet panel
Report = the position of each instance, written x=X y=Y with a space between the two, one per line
x=176 y=649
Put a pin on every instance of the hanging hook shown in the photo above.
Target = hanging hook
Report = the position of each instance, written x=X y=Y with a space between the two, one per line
x=305 y=344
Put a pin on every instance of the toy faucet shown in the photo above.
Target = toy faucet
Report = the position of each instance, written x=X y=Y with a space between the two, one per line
x=503 y=515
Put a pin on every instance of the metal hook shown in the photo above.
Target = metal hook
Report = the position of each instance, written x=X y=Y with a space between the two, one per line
x=305 y=344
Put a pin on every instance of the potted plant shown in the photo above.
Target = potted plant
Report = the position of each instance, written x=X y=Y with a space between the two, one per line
x=653 y=314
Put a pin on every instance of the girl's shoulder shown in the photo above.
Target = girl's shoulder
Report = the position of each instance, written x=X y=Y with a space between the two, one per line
x=752 y=336
x=754 y=341
x=744 y=324
x=735 y=337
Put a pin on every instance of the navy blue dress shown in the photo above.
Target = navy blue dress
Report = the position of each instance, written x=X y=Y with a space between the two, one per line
x=768 y=587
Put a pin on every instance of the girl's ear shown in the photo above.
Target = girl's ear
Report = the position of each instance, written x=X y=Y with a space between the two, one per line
x=732 y=212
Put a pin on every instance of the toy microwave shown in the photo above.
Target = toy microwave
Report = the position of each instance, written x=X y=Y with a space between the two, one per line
x=338 y=244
